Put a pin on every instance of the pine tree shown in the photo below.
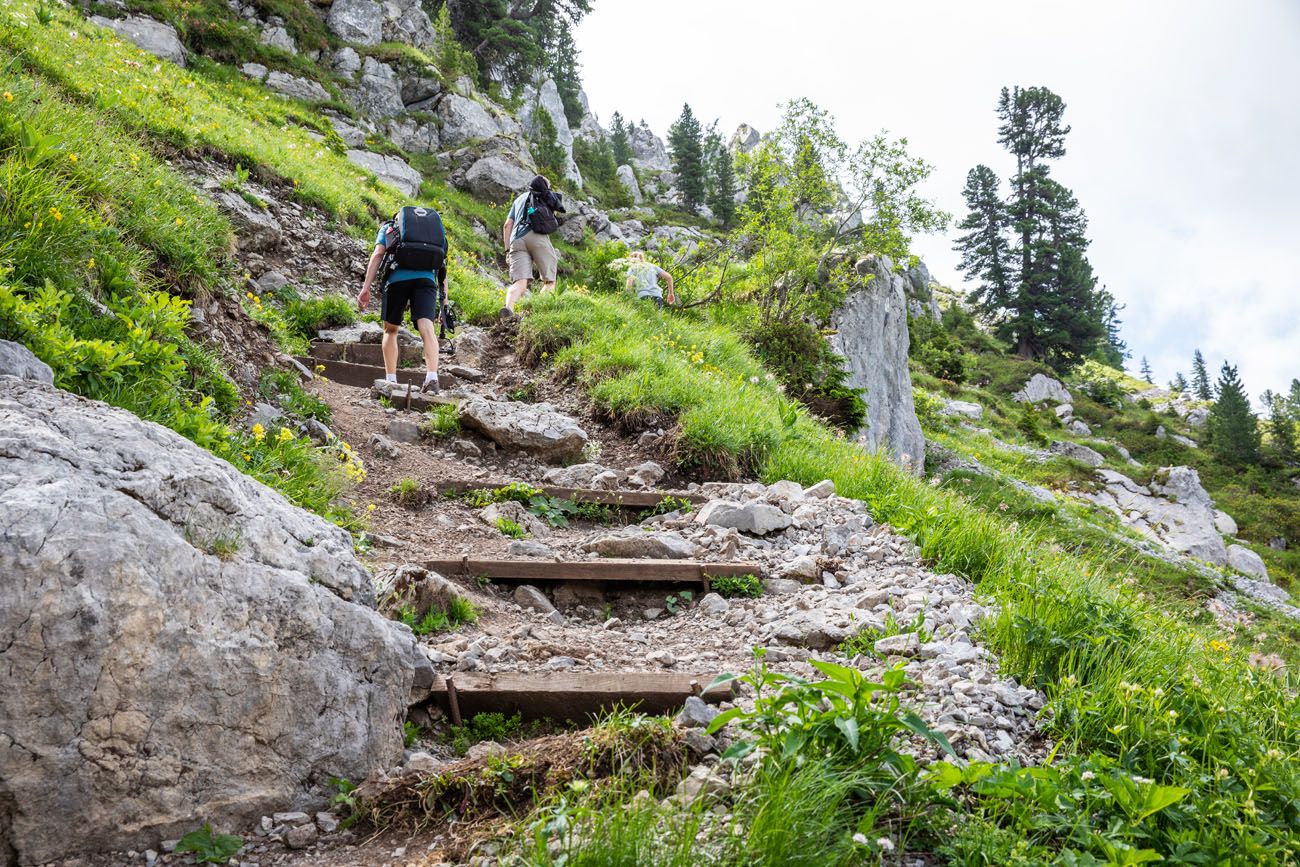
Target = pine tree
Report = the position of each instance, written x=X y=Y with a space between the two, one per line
x=1112 y=350
x=1200 y=377
x=721 y=197
x=984 y=248
x=547 y=149
x=562 y=55
x=1146 y=371
x=1234 y=430
x=686 y=146
x=1282 y=425
x=1293 y=398
x=619 y=141
x=1178 y=385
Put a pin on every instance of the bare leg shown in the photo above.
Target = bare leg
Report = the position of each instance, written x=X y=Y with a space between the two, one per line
x=430 y=338
x=517 y=290
x=390 y=348
x=548 y=287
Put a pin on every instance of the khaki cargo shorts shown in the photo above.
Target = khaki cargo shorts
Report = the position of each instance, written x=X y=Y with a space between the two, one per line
x=532 y=251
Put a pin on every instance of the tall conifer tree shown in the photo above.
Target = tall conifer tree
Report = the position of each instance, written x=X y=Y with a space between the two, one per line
x=1234 y=430
x=1146 y=371
x=619 y=140
x=1200 y=377
x=686 y=146
x=1282 y=424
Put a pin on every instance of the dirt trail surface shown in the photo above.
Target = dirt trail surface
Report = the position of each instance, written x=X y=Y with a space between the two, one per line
x=828 y=571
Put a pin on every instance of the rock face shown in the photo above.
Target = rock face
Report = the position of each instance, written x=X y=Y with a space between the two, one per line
x=155 y=37
x=176 y=639
x=546 y=98
x=1040 y=388
x=627 y=178
x=871 y=333
x=377 y=93
x=498 y=178
x=648 y=150
x=1174 y=510
x=1078 y=452
x=359 y=21
x=297 y=88
x=744 y=139
x=394 y=171
x=464 y=120
x=537 y=428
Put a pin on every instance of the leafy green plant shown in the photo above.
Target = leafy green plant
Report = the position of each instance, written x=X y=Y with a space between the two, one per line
x=343 y=793
x=409 y=492
x=863 y=642
x=669 y=504
x=430 y=622
x=411 y=733
x=509 y=528
x=491 y=727
x=443 y=420
x=208 y=847
x=737 y=586
x=237 y=178
x=518 y=492
x=552 y=510
x=678 y=601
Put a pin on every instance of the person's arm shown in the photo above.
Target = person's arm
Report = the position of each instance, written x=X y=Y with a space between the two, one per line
x=506 y=232
x=631 y=281
x=672 y=295
x=363 y=300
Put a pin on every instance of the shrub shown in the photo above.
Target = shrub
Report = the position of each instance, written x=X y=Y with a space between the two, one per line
x=935 y=349
x=810 y=371
x=737 y=586
x=510 y=528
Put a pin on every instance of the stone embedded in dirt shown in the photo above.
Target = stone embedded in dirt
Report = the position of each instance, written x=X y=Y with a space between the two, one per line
x=1245 y=560
x=150 y=585
x=516 y=513
x=699 y=744
x=757 y=518
x=404 y=430
x=1040 y=388
x=417 y=762
x=529 y=548
x=785 y=490
x=1078 y=428
x=384 y=447
x=802 y=568
x=714 y=604
x=537 y=428
x=367 y=332
x=781 y=586
x=821 y=490
x=639 y=544
x=702 y=782
x=529 y=597
x=1077 y=452
x=905 y=644
x=646 y=475
x=588 y=476
x=300 y=837
x=962 y=408
x=560 y=663
x=328 y=822
x=469 y=374
x=696 y=713
x=664 y=658
x=17 y=360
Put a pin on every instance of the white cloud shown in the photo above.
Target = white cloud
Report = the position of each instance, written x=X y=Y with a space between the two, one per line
x=1184 y=150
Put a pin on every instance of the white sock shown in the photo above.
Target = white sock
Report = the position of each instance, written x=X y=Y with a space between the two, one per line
x=431 y=376
x=391 y=377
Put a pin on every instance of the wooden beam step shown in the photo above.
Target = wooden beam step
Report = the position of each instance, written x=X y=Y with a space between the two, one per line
x=624 y=499
x=362 y=353
x=610 y=570
x=567 y=695
x=364 y=375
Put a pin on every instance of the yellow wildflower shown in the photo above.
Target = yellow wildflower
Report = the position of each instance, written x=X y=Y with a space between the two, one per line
x=72 y=158
x=9 y=97
x=179 y=221
x=91 y=264
x=259 y=432
x=247 y=456
x=285 y=435
x=56 y=214
x=370 y=507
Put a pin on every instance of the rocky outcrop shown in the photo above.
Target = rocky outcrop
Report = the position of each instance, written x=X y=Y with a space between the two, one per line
x=1042 y=388
x=1174 y=510
x=920 y=297
x=963 y=408
x=744 y=139
x=1078 y=452
x=497 y=172
x=537 y=428
x=648 y=150
x=155 y=37
x=1246 y=561
x=627 y=177
x=870 y=331
x=464 y=120
x=19 y=361
x=177 y=641
x=377 y=93
x=546 y=97
x=359 y=21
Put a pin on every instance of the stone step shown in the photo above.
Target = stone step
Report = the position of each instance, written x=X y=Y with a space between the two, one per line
x=622 y=499
x=365 y=375
x=606 y=570
x=364 y=353
x=568 y=695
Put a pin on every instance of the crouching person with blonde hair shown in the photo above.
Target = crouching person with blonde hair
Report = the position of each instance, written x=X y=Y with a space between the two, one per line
x=643 y=277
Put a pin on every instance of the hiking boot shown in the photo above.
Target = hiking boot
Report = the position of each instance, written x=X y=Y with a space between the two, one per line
x=506 y=314
x=431 y=387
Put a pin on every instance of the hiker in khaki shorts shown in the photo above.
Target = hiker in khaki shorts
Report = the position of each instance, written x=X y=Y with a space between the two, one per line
x=527 y=239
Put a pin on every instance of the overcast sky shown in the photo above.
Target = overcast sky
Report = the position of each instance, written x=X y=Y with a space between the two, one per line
x=1185 y=150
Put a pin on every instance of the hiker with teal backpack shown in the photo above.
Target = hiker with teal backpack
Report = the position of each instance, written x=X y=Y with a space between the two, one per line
x=410 y=262
x=527 y=237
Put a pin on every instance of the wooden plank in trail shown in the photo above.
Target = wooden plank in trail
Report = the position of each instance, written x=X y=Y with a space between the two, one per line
x=363 y=353
x=625 y=499
x=610 y=570
x=566 y=695
x=364 y=375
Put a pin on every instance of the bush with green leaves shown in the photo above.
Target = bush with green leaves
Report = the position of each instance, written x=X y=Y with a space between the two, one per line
x=810 y=370
x=736 y=586
x=209 y=847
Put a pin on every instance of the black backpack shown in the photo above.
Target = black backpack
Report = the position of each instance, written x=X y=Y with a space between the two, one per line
x=541 y=212
x=421 y=240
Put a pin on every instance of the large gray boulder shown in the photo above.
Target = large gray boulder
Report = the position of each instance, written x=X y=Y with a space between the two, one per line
x=393 y=171
x=637 y=544
x=627 y=177
x=17 y=360
x=870 y=331
x=256 y=230
x=1246 y=561
x=537 y=428
x=757 y=518
x=178 y=643
x=464 y=120
x=498 y=177
x=1078 y=452
x=1040 y=388
x=405 y=21
x=297 y=88
x=155 y=37
x=1174 y=510
x=377 y=94
x=359 y=21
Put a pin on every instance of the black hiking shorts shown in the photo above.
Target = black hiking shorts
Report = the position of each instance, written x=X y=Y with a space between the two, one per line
x=420 y=295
